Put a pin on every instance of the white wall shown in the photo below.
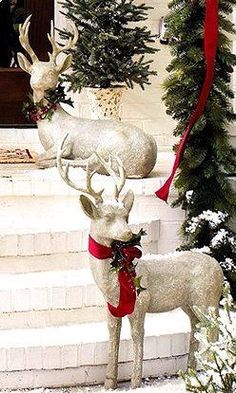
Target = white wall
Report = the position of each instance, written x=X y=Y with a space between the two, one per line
x=146 y=109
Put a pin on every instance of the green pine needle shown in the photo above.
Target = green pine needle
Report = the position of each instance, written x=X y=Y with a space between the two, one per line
x=209 y=157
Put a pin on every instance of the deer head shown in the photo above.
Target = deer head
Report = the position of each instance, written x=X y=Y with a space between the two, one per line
x=44 y=75
x=109 y=219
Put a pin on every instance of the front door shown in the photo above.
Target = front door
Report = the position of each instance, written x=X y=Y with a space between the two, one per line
x=14 y=83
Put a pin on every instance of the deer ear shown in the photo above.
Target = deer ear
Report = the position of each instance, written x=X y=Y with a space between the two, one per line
x=128 y=200
x=88 y=207
x=24 y=63
x=65 y=64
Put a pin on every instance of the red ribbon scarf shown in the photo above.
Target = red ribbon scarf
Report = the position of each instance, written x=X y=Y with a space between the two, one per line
x=127 y=297
x=210 y=47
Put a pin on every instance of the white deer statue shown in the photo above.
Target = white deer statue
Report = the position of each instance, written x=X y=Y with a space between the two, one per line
x=136 y=149
x=184 y=279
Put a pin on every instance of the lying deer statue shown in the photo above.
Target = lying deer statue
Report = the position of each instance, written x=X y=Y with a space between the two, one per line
x=136 y=149
x=184 y=279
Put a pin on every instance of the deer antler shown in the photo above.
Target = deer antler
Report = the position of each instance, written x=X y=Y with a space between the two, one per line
x=118 y=179
x=56 y=48
x=24 y=38
x=89 y=174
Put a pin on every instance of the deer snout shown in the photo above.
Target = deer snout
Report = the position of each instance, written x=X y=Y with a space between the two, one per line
x=38 y=94
x=36 y=84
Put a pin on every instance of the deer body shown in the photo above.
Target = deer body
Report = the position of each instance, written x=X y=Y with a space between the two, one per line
x=185 y=279
x=136 y=149
x=106 y=137
x=182 y=280
x=170 y=282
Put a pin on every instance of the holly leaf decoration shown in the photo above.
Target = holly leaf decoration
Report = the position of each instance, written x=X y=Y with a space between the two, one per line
x=40 y=110
x=58 y=95
x=119 y=260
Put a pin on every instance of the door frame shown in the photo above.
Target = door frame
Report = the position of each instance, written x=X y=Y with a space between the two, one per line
x=15 y=97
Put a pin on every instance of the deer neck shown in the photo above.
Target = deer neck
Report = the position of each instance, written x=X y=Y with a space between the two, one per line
x=57 y=112
x=49 y=105
x=49 y=130
x=100 y=265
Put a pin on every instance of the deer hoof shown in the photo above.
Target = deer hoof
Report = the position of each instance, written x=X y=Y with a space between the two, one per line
x=192 y=363
x=110 y=383
x=44 y=164
x=136 y=383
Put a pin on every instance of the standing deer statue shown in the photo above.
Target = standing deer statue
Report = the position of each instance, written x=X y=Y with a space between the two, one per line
x=185 y=279
x=136 y=149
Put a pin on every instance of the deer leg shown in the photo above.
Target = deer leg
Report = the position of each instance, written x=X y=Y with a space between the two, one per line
x=213 y=334
x=114 y=327
x=137 y=333
x=194 y=344
x=47 y=159
x=83 y=162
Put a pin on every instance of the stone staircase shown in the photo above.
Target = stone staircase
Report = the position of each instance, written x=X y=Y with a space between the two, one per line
x=52 y=325
x=68 y=355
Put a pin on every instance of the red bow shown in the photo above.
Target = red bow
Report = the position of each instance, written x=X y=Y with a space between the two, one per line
x=131 y=253
x=127 y=297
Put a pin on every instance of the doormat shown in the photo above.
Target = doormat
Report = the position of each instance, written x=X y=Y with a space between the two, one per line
x=17 y=156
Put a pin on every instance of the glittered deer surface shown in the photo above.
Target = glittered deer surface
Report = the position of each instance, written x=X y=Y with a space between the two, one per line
x=136 y=149
x=184 y=279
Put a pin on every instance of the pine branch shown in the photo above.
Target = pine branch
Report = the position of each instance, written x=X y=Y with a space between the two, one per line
x=111 y=46
x=209 y=156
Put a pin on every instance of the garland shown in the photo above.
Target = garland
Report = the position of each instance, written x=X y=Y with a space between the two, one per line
x=122 y=253
x=40 y=111
x=210 y=48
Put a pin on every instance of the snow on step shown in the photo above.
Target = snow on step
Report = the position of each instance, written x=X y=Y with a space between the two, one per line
x=71 y=289
x=77 y=354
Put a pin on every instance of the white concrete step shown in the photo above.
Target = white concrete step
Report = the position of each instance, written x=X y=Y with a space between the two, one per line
x=77 y=354
x=22 y=238
x=49 y=298
x=46 y=189
x=33 y=242
x=27 y=180
x=38 y=263
x=38 y=201
x=52 y=317
x=33 y=198
x=48 y=290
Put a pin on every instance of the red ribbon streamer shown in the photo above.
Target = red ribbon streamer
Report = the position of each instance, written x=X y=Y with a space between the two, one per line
x=127 y=297
x=210 y=47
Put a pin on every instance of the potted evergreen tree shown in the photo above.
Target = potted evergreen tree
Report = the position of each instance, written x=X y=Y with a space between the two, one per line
x=110 y=52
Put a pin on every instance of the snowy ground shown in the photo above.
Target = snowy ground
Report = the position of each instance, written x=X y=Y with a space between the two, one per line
x=159 y=385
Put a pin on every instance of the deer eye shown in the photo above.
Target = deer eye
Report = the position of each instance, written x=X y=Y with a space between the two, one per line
x=50 y=75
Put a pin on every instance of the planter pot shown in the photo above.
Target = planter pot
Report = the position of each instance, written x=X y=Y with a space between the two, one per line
x=105 y=103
